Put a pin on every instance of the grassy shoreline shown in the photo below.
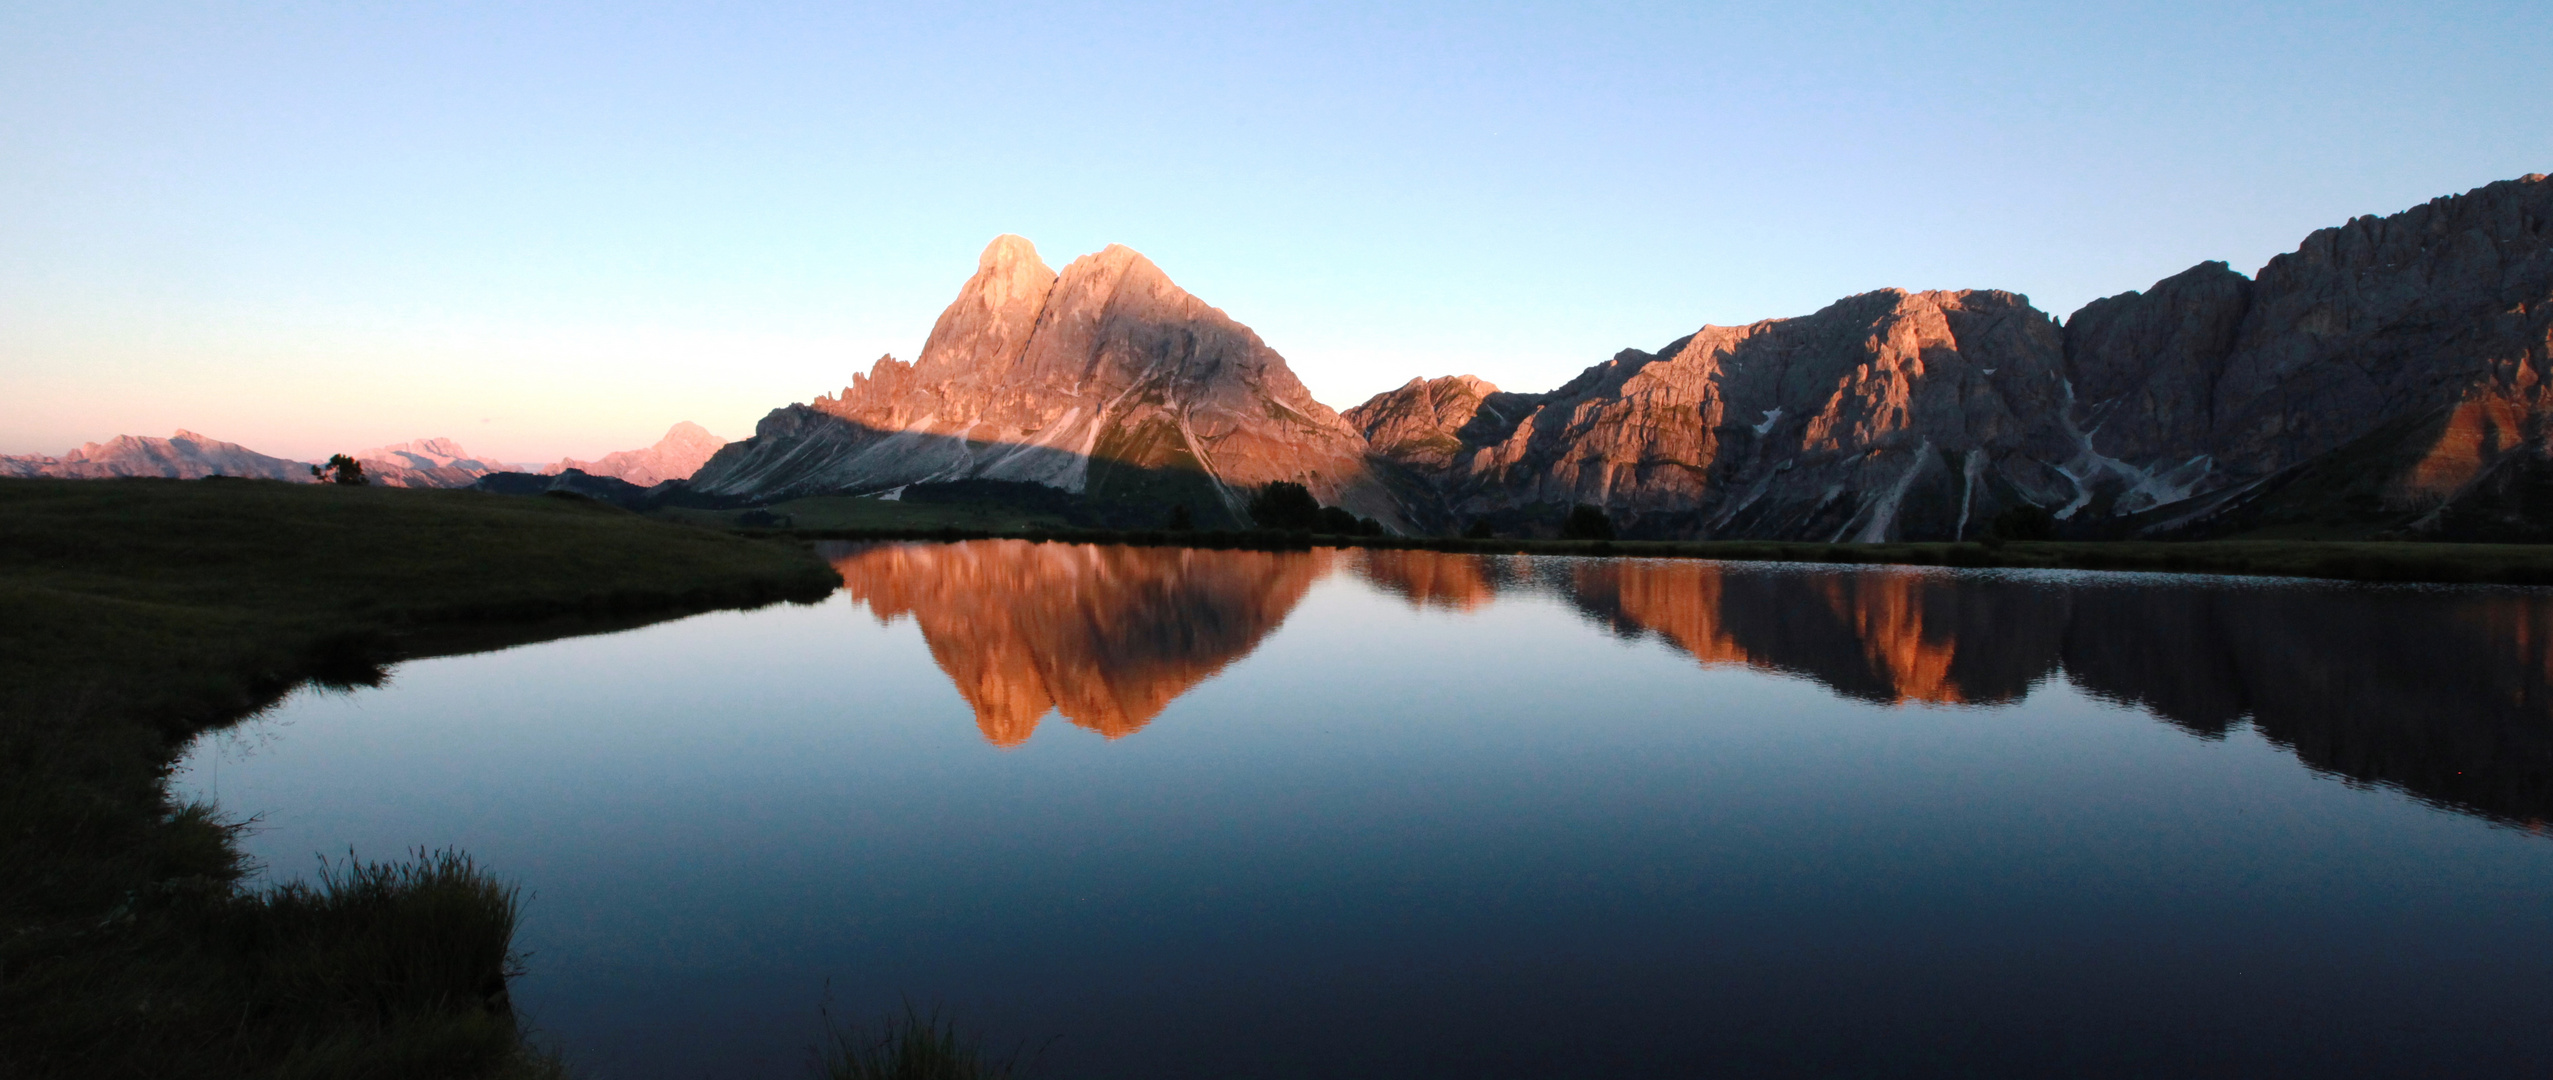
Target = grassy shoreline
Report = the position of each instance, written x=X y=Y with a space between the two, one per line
x=137 y=614
x=2340 y=560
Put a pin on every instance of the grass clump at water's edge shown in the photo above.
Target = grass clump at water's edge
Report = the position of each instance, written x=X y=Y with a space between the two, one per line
x=136 y=614
x=2344 y=560
x=913 y=1046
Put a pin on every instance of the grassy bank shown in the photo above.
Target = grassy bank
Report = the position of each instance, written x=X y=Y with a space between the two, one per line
x=136 y=614
x=2389 y=561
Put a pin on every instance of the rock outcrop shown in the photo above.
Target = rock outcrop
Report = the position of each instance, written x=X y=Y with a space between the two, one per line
x=2390 y=374
x=1106 y=380
x=182 y=456
x=684 y=449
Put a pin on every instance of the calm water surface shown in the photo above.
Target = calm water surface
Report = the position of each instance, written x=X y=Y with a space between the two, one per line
x=1175 y=813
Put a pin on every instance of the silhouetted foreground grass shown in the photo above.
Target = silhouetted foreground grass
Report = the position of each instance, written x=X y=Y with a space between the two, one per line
x=2347 y=560
x=137 y=614
x=914 y=1046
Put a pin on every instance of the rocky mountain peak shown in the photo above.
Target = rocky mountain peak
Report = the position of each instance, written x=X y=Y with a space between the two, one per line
x=982 y=332
x=1107 y=380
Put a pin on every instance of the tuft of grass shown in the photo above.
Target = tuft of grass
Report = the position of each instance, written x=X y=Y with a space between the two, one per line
x=914 y=1046
x=427 y=934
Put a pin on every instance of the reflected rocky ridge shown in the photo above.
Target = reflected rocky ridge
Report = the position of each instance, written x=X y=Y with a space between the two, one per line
x=2446 y=694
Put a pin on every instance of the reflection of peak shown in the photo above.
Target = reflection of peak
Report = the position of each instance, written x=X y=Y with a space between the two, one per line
x=1107 y=635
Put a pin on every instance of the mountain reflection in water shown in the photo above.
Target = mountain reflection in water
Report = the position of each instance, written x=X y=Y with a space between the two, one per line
x=2445 y=694
x=1107 y=635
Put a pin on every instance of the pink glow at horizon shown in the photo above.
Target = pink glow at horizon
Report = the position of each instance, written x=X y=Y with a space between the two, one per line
x=552 y=230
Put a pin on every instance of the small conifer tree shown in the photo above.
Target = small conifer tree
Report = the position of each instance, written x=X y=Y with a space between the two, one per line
x=340 y=469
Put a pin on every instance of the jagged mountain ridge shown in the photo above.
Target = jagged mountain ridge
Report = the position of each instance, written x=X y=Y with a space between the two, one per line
x=2389 y=373
x=1884 y=413
x=1107 y=380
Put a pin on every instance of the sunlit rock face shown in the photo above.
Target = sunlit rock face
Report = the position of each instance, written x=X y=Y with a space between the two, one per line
x=182 y=456
x=1107 y=635
x=684 y=449
x=1427 y=422
x=1106 y=379
x=1890 y=415
x=2390 y=373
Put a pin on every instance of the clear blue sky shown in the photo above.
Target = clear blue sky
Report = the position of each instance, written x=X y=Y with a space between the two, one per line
x=549 y=230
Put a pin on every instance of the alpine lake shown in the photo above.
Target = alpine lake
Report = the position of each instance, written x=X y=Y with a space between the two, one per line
x=1158 y=812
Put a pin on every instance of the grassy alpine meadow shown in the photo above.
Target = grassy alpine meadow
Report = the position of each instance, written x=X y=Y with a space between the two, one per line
x=136 y=614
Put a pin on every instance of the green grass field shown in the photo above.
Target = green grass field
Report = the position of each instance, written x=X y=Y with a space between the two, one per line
x=136 y=614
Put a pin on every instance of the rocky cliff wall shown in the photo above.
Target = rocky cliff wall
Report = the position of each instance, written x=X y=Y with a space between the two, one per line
x=2388 y=375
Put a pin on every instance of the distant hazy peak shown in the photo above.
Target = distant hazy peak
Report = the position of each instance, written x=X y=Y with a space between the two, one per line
x=679 y=454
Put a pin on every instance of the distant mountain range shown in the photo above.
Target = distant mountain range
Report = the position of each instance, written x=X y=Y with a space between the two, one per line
x=439 y=463
x=2391 y=376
